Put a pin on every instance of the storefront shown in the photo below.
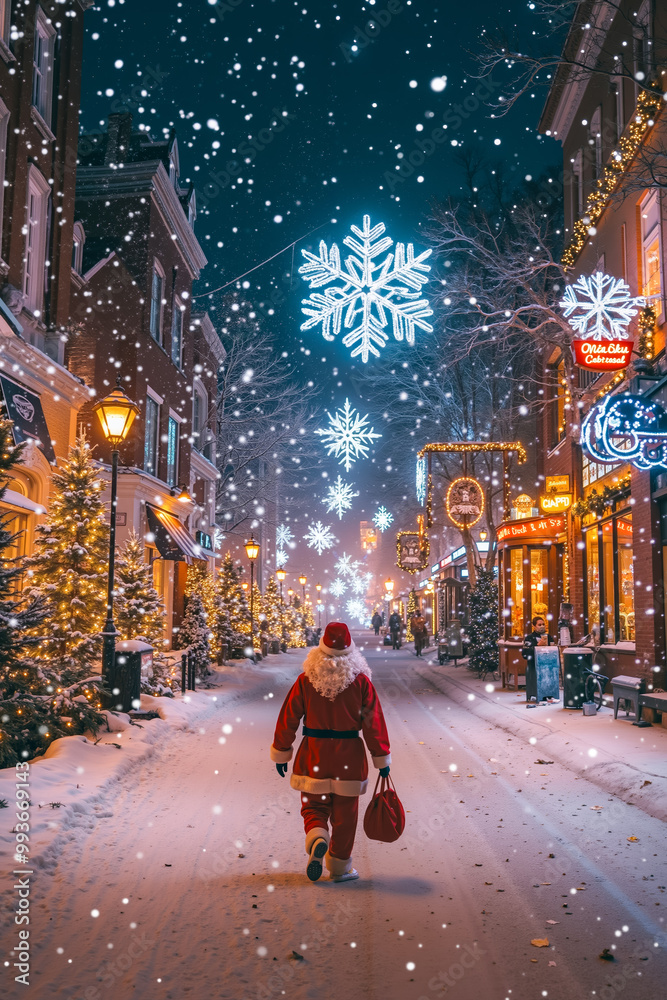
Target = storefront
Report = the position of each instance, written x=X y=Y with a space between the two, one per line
x=530 y=582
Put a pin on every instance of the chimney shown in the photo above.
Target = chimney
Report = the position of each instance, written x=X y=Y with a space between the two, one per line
x=119 y=131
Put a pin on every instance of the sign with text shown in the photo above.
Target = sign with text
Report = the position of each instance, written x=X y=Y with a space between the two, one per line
x=547 y=671
x=557 y=484
x=602 y=356
x=536 y=526
x=554 y=503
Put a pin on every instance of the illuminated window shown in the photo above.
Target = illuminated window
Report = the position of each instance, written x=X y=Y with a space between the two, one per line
x=151 y=435
x=34 y=261
x=172 y=451
x=157 y=302
x=177 y=333
x=651 y=231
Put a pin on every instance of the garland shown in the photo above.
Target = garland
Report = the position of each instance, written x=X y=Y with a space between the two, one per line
x=596 y=503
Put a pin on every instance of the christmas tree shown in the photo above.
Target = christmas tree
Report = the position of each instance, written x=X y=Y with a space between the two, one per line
x=194 y=633
x=201 y=581
x=70 y=565
x=258 y=614
x=273 y=610
x=35 y=709
x=483 y=627
x=412 y=607
x=235 y=620
x=138 y=608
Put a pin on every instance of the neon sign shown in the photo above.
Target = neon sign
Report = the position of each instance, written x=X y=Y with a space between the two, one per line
x=555 y=502
x=626 y=429
x=599 y=309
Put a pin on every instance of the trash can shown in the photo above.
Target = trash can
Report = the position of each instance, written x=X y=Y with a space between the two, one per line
x=575 y=660
x=133 y=662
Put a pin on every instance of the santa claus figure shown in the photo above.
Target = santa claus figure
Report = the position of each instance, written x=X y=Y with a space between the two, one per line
x=338 y=704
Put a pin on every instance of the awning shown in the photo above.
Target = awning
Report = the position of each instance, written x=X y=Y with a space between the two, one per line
x=24 y=409
x=171 y=536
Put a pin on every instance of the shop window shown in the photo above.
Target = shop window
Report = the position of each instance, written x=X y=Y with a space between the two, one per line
x=151 y=435
x=539 y=583
x=42 y=65
x=157 y=293
x=592 y=471
x=610 y=579
x=593 y=581
x=626 y=576
x=609 y=617
x=34 y=261
x=651 y=239
x=516 y=593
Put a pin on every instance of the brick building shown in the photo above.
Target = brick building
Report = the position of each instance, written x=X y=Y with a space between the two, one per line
x=608 y=554
x=40 y=77
x=137 y=258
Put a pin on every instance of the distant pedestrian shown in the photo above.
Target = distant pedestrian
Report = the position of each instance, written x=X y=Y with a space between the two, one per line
x=336 y=699
x=395 y=627
x=419 y=631
x=376 y=622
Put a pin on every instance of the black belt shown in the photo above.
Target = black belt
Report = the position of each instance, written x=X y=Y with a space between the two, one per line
x=331 y=734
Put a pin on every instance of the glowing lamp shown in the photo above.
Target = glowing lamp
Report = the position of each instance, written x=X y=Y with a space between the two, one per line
x=303 y=580
x=280 y=574
x=389 y=586
x=116 y=413
x=183 y=495
x=252 y=549
x=483 y=535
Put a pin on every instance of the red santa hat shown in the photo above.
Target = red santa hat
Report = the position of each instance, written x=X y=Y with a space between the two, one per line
x=336 y=639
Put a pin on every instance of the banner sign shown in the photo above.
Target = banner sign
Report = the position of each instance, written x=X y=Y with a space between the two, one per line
x=557 y=484
x=24 y=409
x=544 y=526
x=553 y=503
x=465 y=502
x=411 y=552
x=610 y=356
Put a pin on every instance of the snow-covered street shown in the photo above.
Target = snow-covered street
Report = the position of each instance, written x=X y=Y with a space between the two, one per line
x=194 y=859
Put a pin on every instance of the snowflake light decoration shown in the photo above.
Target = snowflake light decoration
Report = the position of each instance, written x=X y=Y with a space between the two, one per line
x=339 y=498
x=218 y=539
x=284 y=536
x=357 y=609
x=338 y=588
x=602 y=307
x=345 y=566
x=383 y=519
x=281 y=557
x=366 y=294
x=319 y=537
x=348 y=436
x=421 y=480
x=359 y=585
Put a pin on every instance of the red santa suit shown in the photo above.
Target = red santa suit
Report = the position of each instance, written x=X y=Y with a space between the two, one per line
x=338 y=704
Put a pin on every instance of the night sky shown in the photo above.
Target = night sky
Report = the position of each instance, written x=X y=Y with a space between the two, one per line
x=221 y=74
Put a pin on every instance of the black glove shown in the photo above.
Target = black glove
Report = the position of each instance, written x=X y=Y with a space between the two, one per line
x=281 y=769
x=384 y=771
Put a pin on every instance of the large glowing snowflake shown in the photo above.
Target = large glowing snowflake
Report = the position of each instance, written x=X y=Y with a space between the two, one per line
x=339 y=497
x=421 y=480
x=218 y=539
x=345 y=566
x=357 y=609
x=281 y=557
x=338 y=588
x=319 y=537
x=383 y=519
x=602 y=307
x=367 y=292
x=284 y=536
x=359 y=585
x=348 y=436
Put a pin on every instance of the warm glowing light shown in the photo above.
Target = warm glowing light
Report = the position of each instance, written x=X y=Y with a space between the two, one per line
x=252 y=549
x=116 y=413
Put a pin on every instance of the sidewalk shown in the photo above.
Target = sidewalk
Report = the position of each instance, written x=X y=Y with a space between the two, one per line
x=615 y=755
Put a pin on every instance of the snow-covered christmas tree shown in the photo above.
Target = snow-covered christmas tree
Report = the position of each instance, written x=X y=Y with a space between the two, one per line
x=483 y=627
x=272 y=609
x=412 y=607
x=70 y=565
x=35 y=708
x=138 y=608
x=195 y=634
x=234 y=606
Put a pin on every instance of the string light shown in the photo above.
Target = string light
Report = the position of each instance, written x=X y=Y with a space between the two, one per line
x=472 y=446
x=646 y=330
x=649 y=106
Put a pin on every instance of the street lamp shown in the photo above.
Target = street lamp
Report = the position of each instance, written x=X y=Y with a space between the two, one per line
x=252 y=551
x=281 y=574
x=389 y=587
x=116 y=413
x=303 y=580
x=319 y=614
x=483 y=535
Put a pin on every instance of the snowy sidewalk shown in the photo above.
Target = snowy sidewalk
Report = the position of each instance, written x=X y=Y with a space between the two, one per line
x=623 y=759
x=75 y=776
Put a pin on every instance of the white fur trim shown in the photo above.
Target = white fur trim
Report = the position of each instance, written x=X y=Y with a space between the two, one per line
x=327 y=786
x=281 y=756
x=382 y=761
x=337 y=867
x=330 y=673
x=330 y=651
x=317 y=833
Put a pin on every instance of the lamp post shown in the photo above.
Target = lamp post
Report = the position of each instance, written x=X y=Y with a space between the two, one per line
x=252 y=551
x=389 y=588
x=318 y=588
x=116 y=413
x=303 y=580
x=281 y=574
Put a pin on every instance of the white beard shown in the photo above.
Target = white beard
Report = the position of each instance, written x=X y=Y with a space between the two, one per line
x=330 y=674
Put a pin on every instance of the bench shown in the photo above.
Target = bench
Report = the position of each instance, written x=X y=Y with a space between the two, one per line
x=628 y=690
x=655 y=702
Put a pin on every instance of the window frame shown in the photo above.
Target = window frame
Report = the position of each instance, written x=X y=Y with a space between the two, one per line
x=43 y=66
x=78 y=241
x=33 y=290
x=156 y=316
x=4 y=134
x=199 y=393
x=605 y=586
x=152 y=401
x=173 y=421
x=595 y=133
x=650 y=218
x=178 y=310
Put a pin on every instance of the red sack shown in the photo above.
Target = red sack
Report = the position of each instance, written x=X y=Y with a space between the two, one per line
x=385 y=817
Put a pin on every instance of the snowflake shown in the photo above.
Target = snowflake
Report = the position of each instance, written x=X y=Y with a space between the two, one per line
x=357 y=609
x=345 y=566
x=281 y=557
x=394 y=290
x=421 y=480
x=359 y=585
x=218 y=539
x=383 y=519
x=348 y=435
x=283 y=536
x=339 y=498
x=338 y=588
x=319 y=537
x=605 y=307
